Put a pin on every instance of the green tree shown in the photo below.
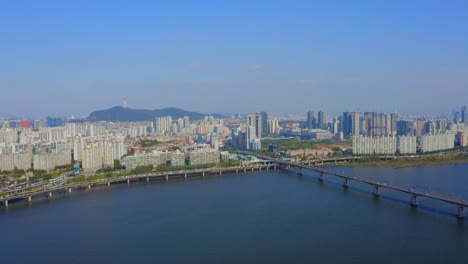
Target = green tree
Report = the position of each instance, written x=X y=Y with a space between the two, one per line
x=117 y=165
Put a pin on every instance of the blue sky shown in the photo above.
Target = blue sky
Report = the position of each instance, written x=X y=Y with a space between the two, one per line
x=73 y=57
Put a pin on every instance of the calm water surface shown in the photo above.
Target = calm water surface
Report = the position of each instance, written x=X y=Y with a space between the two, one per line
x=274 y=217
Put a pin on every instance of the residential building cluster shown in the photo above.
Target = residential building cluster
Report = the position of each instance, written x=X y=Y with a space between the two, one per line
x=155 y=158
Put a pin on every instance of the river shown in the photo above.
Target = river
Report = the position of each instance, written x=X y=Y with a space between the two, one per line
x=260 y=217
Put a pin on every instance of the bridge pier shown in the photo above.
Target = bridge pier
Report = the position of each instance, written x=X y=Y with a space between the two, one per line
x=203 y=174
x=5 y=203
x=252 y=169
x=259 y=168
x=274 y=167
x=147 y=179
x=268 y=166
x=50 y=195
x=167 y=177
x=128 y=181
x=461 y=213
x=345 y=183
x=376 y=191
x=220 y=172
x=321 y=177
x=89 y=186
x=245 y=169
x=301 y=171
x=108 y=184
x=69 y=190
x=237 y=171
x=185 y=176
x=29 y=199
x=414 y=201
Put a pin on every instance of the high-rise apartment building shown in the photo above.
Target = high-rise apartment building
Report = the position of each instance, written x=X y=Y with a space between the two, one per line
x=163 y=125
x=255 y=120
x=264 y=116
x=273 y=127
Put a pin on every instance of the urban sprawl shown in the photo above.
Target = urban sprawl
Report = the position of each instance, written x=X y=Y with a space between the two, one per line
x=31 y=147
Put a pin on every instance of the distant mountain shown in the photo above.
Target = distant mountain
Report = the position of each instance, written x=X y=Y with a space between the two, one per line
x=120 y=114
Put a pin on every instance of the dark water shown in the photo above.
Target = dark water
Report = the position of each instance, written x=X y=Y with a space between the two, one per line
x=274 y=217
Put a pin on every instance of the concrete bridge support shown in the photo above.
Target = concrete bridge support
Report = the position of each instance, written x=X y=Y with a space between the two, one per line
x=301 y=171
x=89 y=186
x=5 y=203
x=220 y=172
x=50 y=195
x=29 y=199
x=259 y=168
x=461 y=213
x=245 y=169
x=237 y=171
x=69 y=190
x=147 y=179
x=252 y=169
x=321 y=177
x=203 y=174
x=167 y=177
x=376 y=191
x=345 y=183
x=185 y=176
x=128 y=181
x=414 y=201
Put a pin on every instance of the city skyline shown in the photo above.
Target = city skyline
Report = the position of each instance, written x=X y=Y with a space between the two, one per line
x=69 y=58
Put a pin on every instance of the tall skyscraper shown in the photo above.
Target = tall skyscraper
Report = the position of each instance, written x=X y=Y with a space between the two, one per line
x=312 y=120
x=255 y=120
x=264 y=124
x=394 y=120
x=350 y=123
x=464 y=115
x=322 y=120
x=347 y=124
x=355 y=123
x=456 y=117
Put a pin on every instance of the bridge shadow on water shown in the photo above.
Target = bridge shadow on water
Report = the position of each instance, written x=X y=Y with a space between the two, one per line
x=383 y=197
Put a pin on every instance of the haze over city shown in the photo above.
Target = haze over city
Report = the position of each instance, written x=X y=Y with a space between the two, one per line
x=63 y=58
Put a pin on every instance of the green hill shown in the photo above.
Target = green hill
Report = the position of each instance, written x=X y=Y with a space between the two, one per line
x=120 y=114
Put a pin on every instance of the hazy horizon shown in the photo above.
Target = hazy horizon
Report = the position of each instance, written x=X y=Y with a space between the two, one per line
x=72 y=58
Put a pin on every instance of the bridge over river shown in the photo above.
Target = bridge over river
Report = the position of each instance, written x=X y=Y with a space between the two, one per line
x=414 y=194
x=67 y=188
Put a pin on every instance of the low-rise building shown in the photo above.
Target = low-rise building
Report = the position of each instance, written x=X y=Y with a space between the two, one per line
x=204 y=156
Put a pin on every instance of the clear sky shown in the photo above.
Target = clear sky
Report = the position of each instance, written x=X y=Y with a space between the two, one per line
x=73 y=57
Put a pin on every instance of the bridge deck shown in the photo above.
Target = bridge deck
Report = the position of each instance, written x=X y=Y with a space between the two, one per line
x=429 y=195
